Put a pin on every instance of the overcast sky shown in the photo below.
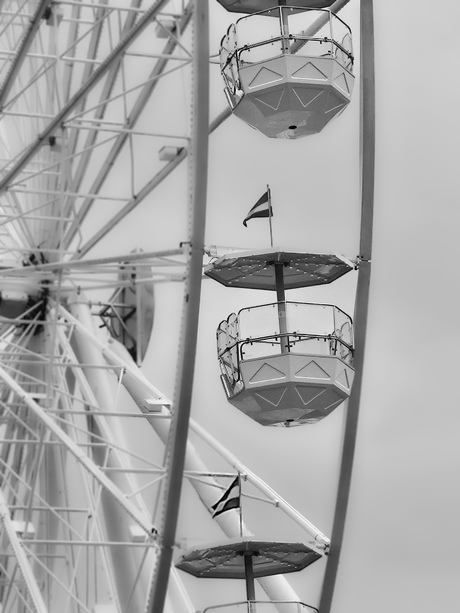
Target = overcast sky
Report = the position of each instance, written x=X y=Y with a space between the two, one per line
x=402 y=535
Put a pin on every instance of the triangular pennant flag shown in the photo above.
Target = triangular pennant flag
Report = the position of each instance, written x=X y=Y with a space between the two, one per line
x=262 y=208
x=229 y=500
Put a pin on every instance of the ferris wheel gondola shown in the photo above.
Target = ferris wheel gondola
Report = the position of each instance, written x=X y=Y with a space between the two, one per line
x=285 y=363
x=288 y=70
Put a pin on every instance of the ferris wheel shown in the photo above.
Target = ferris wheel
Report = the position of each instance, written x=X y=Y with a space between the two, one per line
x=104 y=126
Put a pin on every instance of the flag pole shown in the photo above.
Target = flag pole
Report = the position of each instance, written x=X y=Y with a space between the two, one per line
x=270 y=214
x=241 y=507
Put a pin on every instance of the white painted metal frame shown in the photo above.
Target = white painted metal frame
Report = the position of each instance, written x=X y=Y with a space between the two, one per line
x=367 y=160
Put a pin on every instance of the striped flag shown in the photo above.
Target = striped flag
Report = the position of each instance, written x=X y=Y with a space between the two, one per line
x=229 y=500
x=262 y=208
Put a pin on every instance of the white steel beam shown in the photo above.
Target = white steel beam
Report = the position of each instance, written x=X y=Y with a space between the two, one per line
x=119 y=259
x=21 y=53
x=367 y=154
x=133 y=566
x=21 y=557
x=136 y=111
x=104 y=96
x=198 y=175
x=126 y=578
x=95 y=77
x=78 y=454
x=146 y=190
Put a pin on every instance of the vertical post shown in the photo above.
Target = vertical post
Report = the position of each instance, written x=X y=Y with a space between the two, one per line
x=198 y=158
x=367 y=154
x=241 y=506
x=139 y=319
x=281 y=300
x=284 y=27
x=249 y=575
x=269 y=197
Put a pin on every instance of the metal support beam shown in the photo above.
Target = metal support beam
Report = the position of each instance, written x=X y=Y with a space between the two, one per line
x=198 y=173
x=367 y=154
x=81 y=457
x=96 y=76
x=21 y=53
x=133 y=567
x=117 y=147
x=105 y=93
x=21 y=557
x=146 y=190
x=119 y=259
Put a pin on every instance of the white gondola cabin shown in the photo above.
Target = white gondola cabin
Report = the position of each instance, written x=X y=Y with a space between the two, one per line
x=284 y=363
x=288 y=70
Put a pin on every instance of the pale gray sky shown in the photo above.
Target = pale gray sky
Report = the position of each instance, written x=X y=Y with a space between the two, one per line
x=402 y=536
